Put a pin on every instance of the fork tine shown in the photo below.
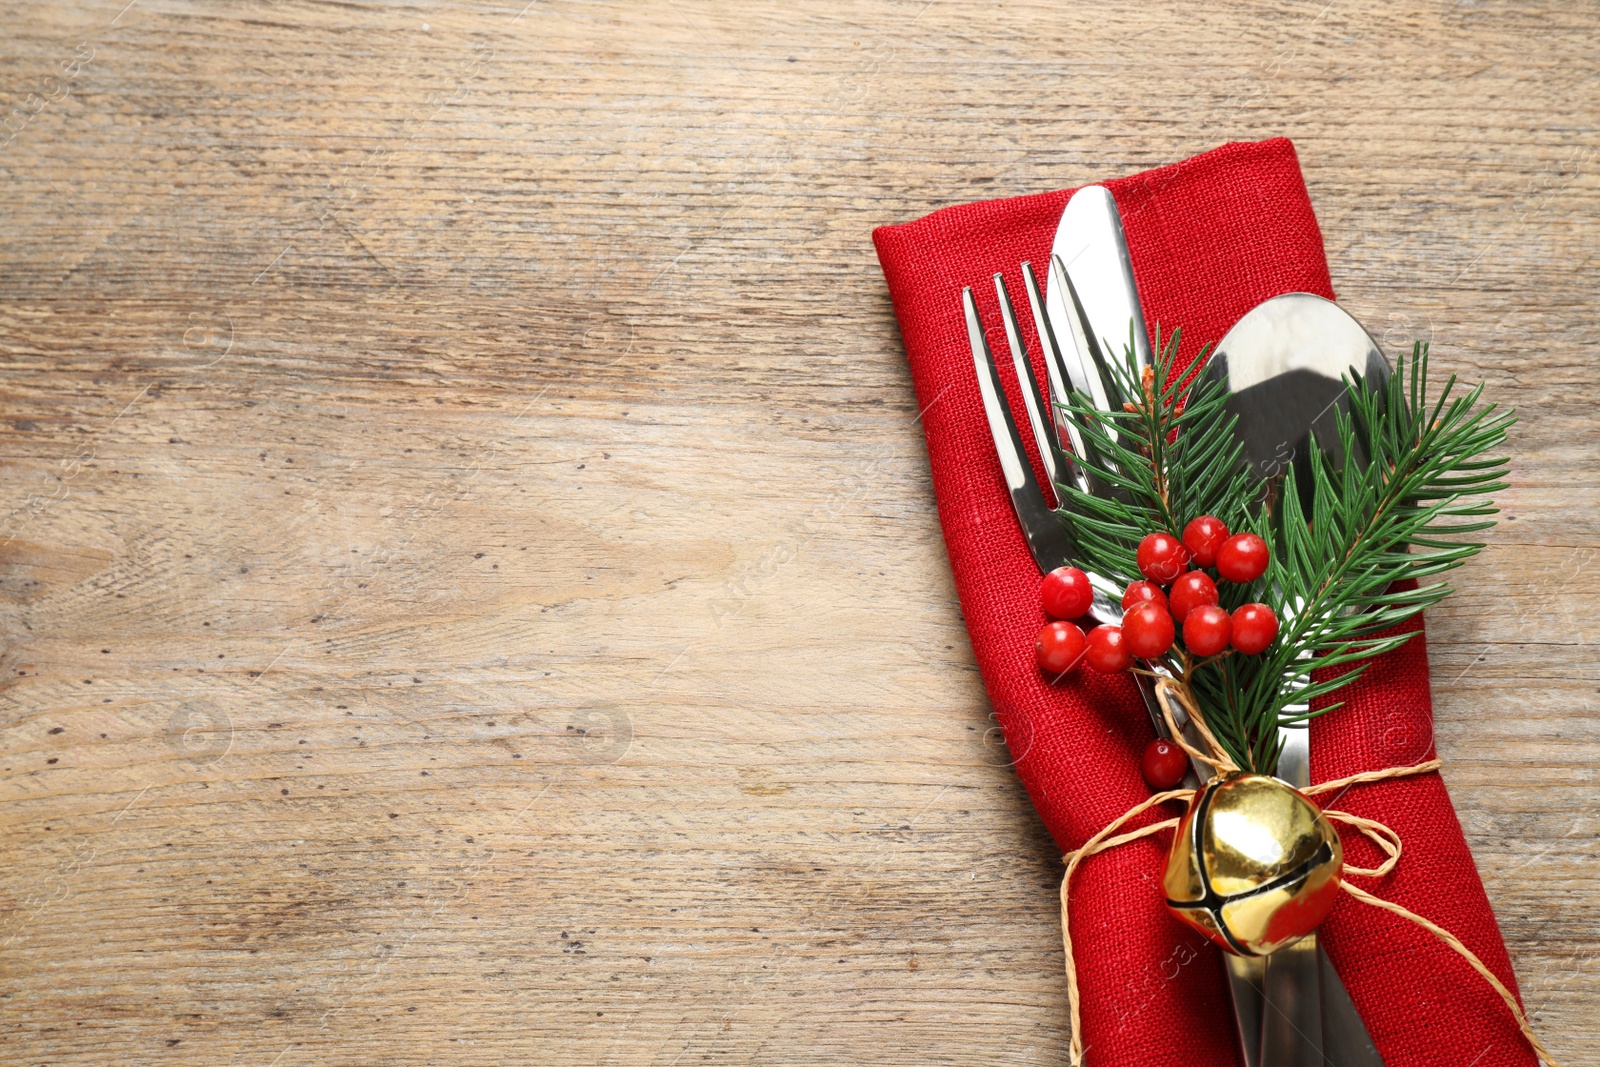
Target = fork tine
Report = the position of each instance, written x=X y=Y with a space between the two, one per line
x=1066 y=370
x=1007 y=444
x=1101 y=383
x=1047 y=538
x=1049 y=446
x=1059 y=375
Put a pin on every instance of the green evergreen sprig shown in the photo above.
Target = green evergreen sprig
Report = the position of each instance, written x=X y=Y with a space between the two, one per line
x=1351 y=542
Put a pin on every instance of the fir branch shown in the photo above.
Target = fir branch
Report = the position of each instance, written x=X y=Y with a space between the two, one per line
x=1342 y=574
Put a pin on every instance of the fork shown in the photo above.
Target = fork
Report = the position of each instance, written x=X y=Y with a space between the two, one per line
x=1059 y=439
x=1047 y=538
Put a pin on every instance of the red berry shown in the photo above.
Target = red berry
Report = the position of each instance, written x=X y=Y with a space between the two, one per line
x=1143 y=593
x=1202 y=537
x=1242 y=558
x=1066 y=593
x=1162 y=557
x=1059 y=649
x=1163 y=765
x=1207 y=629
x=1192 y=590
x=1254 y=627
x=1147 y=630
x=1108 y=651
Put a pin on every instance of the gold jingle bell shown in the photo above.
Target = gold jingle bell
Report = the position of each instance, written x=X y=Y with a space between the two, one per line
x=1254 y=864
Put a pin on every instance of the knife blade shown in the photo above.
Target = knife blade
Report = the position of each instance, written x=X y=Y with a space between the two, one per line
x=1094 y=250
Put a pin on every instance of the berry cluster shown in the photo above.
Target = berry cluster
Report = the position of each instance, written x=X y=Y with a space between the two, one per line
x=1172 y=599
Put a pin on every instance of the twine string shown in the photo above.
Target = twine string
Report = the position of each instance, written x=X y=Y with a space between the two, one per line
x=1465 y=953
x=1099 y=843
x=1385 y=838
x=1373 y=831
x=1216 y=757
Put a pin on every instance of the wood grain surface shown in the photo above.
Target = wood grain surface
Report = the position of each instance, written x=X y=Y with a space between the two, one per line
x=470 y=585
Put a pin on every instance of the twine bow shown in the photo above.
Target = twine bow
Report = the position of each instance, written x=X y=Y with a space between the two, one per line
x=1169 y=693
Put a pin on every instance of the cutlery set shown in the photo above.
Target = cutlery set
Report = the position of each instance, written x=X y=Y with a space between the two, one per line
x=1283 y=364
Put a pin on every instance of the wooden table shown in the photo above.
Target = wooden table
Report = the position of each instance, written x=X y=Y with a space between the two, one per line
x=471 y=589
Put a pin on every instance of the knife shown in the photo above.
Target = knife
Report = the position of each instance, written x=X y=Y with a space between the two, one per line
x=1288 y=344
x=1093 y=282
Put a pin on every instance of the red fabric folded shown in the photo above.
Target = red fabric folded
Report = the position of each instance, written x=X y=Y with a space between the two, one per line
x=1210 y=238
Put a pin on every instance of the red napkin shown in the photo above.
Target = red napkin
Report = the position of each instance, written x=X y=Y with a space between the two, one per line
x=1210 y=238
